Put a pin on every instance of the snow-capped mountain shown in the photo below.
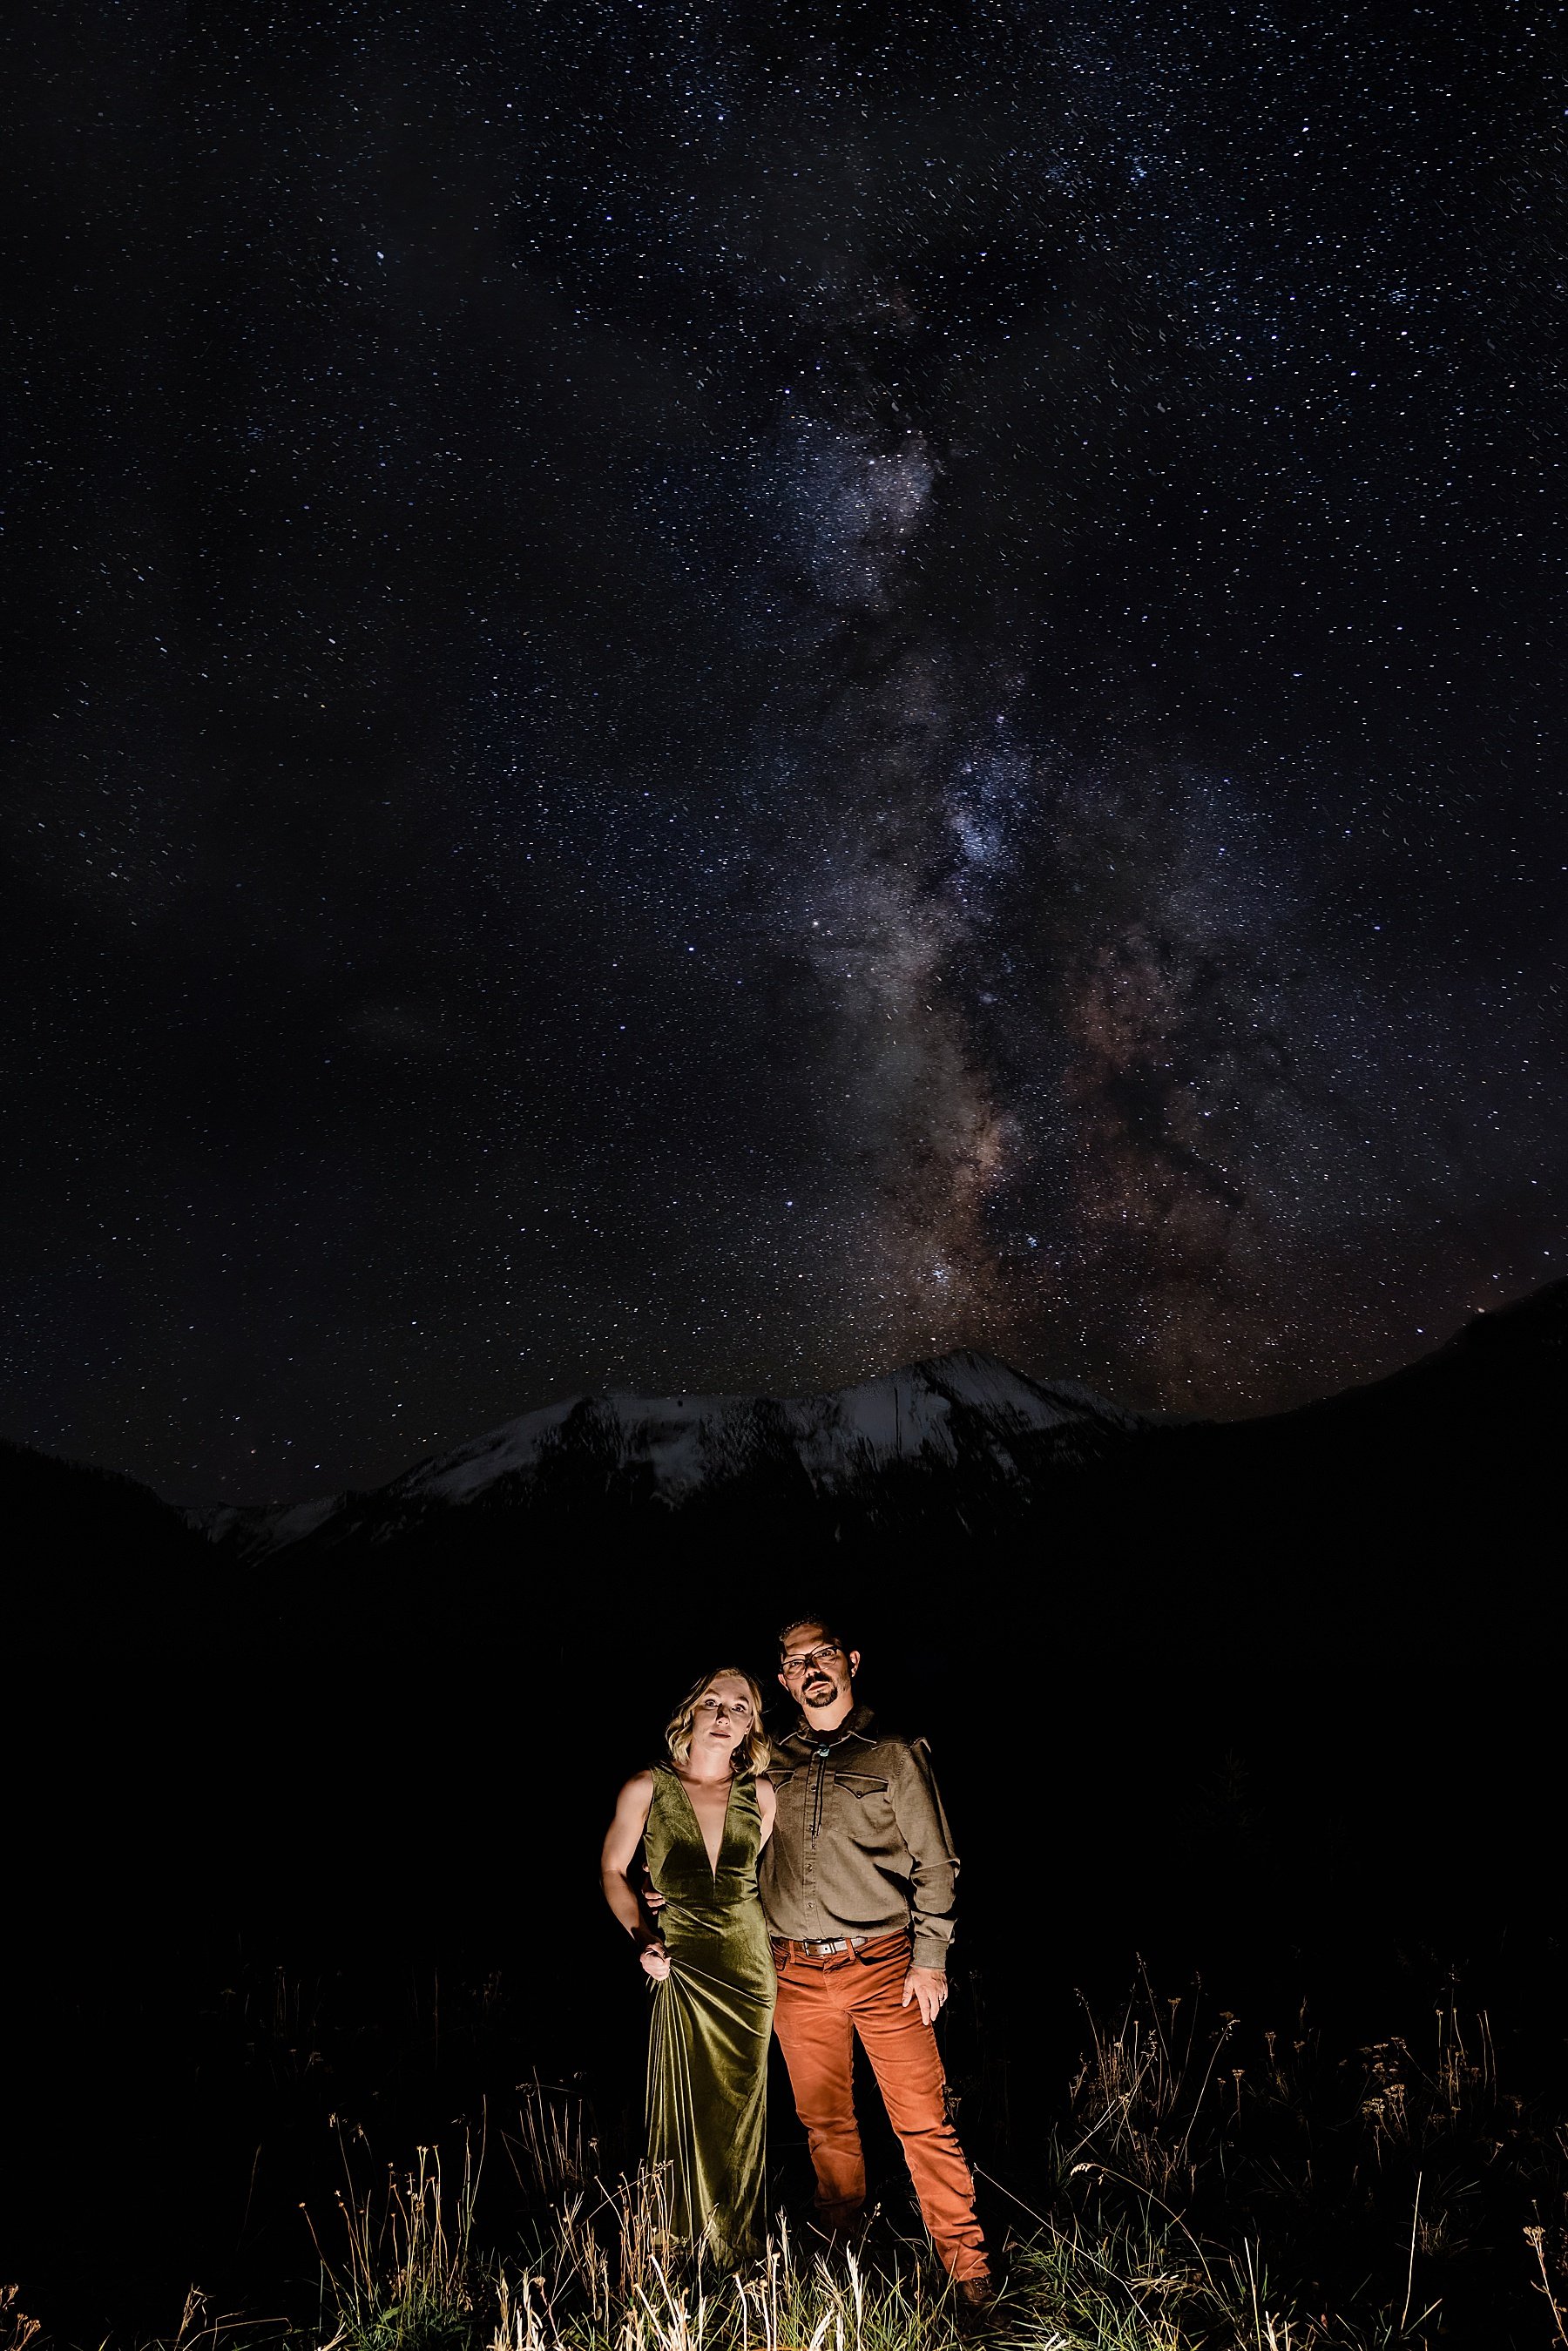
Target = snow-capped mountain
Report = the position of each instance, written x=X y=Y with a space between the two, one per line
x=953 y=1467
x=964 y=1412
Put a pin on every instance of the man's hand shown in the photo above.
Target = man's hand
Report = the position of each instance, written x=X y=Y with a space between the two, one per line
x=654 y=1961
x=928 y=1987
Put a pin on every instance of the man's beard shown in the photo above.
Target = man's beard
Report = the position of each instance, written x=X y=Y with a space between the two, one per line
x=823 y=1685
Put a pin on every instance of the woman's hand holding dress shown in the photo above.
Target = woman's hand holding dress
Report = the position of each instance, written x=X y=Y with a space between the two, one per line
x=632 y=1907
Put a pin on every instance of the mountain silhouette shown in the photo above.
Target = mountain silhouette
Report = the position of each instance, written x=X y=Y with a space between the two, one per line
x=956 y=1461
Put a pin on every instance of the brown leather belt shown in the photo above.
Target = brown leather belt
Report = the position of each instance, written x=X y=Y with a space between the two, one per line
x=816 y=1953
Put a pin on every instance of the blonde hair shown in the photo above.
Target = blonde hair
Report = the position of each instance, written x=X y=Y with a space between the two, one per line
x=752 y=1753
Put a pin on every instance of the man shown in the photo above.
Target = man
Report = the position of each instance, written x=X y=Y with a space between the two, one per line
x=857 y=1883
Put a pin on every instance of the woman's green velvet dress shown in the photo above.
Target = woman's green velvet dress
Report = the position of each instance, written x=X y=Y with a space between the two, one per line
x=713 y=2016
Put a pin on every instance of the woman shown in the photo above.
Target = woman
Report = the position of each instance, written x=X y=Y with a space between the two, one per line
x=703 y=1818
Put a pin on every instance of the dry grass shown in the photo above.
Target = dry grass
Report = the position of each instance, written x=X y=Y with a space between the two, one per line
x=1208 y=2190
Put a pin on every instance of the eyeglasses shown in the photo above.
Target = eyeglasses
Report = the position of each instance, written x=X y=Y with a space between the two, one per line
x=812 y=1657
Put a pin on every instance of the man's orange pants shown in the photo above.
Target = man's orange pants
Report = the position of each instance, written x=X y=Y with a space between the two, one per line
x=822 y=2004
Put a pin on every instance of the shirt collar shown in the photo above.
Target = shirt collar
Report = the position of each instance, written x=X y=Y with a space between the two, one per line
x=857 y=1723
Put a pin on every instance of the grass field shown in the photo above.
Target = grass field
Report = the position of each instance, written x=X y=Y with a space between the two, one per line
x=1200 y=2189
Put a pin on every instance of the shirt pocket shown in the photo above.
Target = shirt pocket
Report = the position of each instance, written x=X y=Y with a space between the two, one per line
x=862 y=1806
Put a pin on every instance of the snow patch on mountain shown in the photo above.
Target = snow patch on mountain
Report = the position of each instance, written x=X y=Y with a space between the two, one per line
x=687 y=1441
x=499 y=1453
x=949 y=1409
x=258 y=1526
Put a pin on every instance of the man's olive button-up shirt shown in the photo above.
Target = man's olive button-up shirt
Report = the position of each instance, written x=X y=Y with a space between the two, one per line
x=861 y=1844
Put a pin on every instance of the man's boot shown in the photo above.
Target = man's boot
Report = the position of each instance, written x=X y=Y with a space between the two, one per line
x=976 y=2301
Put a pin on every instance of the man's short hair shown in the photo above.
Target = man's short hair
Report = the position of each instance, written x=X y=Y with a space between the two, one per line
x=830 y=1630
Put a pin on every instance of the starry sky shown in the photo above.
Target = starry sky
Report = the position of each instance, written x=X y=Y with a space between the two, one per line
x=707 y=696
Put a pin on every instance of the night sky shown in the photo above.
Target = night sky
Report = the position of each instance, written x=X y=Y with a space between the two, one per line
x=708 y=696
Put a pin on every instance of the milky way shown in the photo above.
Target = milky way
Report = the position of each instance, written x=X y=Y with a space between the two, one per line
x=702 y=706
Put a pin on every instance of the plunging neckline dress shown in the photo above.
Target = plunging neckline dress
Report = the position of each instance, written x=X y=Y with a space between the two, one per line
x=712 y=2017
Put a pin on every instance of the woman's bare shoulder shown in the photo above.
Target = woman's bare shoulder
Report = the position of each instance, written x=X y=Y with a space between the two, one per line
x=637 y=1794
x=766 y=1795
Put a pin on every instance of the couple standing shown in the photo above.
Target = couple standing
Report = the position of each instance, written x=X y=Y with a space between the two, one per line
x=805 y=1884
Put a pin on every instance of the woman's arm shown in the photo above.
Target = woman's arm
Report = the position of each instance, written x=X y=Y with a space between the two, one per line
x=767 y=1806
x=624 y=1835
